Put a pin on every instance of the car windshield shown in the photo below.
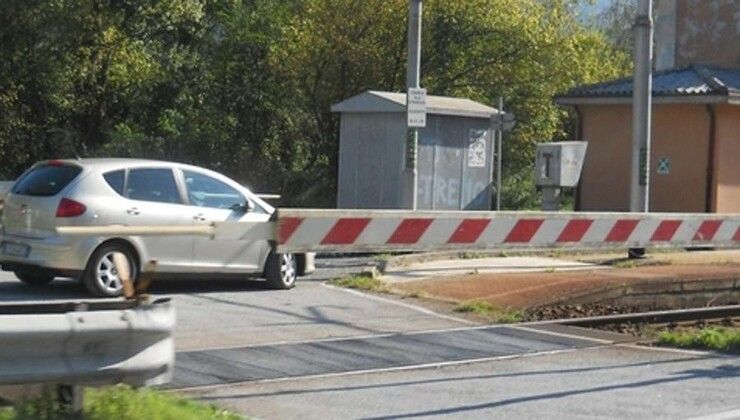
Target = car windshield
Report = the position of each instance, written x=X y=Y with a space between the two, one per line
x=46 y=180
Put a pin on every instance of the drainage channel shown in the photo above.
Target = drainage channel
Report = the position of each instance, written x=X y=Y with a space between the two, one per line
x=255 y=363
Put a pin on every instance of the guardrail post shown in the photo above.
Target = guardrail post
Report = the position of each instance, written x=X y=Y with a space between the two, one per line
x=71 y=399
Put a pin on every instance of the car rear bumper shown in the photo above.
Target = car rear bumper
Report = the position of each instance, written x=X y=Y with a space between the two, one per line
x=53 y=253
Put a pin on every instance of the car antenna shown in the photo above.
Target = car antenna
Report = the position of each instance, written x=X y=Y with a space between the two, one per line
x=74 y=152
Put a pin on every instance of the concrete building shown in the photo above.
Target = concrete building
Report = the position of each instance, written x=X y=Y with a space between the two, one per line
x=697 y=31
x=695 y=151
x=695 y=116
x=455 y=164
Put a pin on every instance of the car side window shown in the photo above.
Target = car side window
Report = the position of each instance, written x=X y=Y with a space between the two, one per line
x=115 y=180
x=205 y=191
x=152 y=184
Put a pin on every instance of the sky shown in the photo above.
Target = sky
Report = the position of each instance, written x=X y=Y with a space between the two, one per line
x=587 y=10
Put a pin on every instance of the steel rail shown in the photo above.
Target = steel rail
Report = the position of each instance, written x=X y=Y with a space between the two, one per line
x=654 y=317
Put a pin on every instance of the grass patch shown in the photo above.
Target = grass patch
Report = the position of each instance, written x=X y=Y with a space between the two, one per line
x=725 y=339
x=624 y=264
x=360 y=283
x=120 y=403
x=632 y=263
x=468 y=255
x=488 y=310
x=416 y=295
x=382 y=257
x=557 y=253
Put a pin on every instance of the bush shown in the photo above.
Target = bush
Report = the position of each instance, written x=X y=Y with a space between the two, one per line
x=121 y=403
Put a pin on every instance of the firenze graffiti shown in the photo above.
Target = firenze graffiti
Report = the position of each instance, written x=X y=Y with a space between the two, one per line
x=446 y=192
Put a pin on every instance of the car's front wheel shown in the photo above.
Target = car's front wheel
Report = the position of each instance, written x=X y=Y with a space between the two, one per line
x=281 y=271
x=101 y=276
x=33 y=279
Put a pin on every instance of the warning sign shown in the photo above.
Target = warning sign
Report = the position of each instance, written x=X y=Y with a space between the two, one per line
x=664 y=166
x=477 y=149
x=416 y=107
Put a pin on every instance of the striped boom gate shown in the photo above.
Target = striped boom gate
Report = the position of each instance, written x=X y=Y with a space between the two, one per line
x=302 y=230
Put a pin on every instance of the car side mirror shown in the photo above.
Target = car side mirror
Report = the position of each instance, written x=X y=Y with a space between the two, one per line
x=244 y=207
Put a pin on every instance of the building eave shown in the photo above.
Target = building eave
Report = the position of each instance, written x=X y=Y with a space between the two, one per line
x=627 y=100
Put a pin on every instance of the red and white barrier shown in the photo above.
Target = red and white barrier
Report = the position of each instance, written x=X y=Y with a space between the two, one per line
x=391 y=230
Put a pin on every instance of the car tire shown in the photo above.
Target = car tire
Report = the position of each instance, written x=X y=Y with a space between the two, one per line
x=34 y=279
x=281 y=271
x=101 y=277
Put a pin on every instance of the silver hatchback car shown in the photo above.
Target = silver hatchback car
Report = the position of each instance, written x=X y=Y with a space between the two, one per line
x=98 y=192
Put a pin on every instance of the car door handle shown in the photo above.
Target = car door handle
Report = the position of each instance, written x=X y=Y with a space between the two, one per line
x=133 y=211
x=199 y=217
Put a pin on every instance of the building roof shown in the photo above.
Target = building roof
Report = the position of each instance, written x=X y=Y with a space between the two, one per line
x=692 y=84
x=377 y=101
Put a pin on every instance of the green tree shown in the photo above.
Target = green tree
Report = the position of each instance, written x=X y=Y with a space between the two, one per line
x=245 y=87
x=526 y=50
x=81 y=73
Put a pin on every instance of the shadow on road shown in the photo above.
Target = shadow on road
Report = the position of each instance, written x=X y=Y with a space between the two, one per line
x=719 y=372
x=65 y=289
x=12 y=290
x=451 y=380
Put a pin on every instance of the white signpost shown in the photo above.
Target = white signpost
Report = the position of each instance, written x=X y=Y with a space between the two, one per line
x=416 y=107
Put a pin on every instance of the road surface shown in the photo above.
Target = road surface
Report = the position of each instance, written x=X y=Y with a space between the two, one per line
x=323 y=352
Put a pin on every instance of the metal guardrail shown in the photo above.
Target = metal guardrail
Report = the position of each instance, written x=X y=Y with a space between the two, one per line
x=87 y=343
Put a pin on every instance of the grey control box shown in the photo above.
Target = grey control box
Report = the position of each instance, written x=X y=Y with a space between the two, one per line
x=559 y=164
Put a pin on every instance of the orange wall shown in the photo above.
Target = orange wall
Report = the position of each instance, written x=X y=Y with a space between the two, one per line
x=605 y=177
x=728 y=159
x=680 y=133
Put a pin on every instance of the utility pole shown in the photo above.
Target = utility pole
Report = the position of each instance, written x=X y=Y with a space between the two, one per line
x=641 y=106
x=500 y=136
x=413 y=70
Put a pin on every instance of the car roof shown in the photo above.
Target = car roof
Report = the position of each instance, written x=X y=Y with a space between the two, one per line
x=107 y=164
x=116 y=163
x=111 y=164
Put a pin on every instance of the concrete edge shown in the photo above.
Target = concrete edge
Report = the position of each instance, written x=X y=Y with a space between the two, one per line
x=396 y=261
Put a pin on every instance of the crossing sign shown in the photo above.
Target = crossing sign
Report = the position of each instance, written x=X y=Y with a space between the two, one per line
x=664 y=166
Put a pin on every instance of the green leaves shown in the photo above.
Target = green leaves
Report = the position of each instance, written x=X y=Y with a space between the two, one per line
x=246 y=87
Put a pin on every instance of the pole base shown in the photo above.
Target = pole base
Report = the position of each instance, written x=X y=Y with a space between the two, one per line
x=636 y=253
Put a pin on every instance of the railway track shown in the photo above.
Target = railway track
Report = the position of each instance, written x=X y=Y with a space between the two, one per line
x=714 y=313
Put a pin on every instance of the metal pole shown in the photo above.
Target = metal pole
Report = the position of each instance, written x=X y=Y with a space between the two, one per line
x=641 y=104
x=412 y=81
x=500 y=135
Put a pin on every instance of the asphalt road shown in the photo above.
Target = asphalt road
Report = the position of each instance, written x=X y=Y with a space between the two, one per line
x=597 y=382
x=367 y=353
x=228 y=313
x=322 y=352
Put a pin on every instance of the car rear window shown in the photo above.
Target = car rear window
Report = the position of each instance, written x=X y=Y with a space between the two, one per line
x=46 y=180
x=115 y=180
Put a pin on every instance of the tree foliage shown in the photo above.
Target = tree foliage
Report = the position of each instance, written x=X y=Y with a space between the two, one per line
x=245 y=87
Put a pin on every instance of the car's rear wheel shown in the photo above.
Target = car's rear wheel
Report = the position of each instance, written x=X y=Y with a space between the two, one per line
x=101 y=277
x=281 y=271
x=33 y=279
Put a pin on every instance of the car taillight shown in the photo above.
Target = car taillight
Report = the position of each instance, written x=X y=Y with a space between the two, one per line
x=70 y=208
